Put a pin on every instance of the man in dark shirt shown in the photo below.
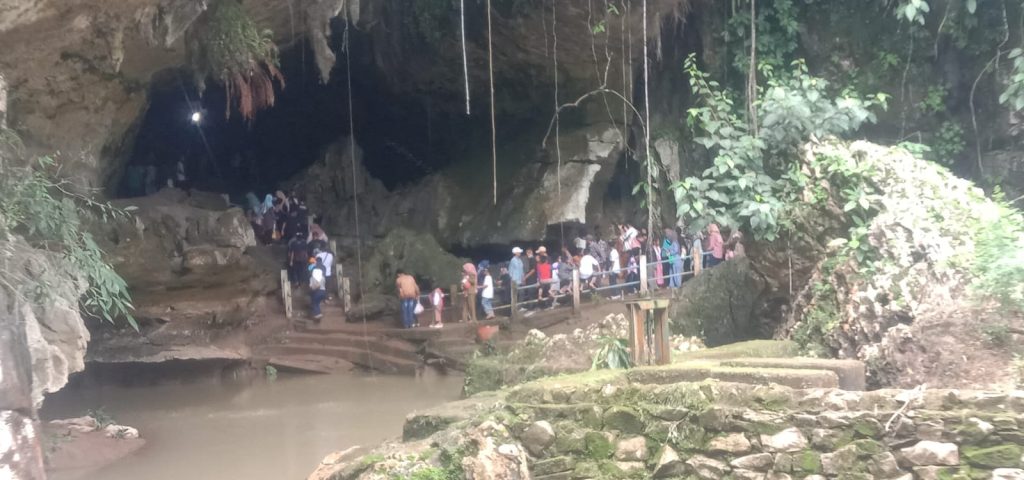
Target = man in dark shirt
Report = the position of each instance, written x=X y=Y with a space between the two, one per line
x=298 y=259
x=505 y=286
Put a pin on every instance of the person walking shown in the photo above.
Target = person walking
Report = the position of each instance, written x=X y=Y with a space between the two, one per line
x=437 y=300
x=588 y=267
x=615 y=268
x=487 y=295
x=298 y=256
x=408 y=294
x=326 y=258
x=469 y=292
x=317 y=288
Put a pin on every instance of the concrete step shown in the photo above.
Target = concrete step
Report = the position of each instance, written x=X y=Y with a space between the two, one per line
x=306 y=363
x=358 y=356
x=851 y=373
x=699 y=371
x=395 y=348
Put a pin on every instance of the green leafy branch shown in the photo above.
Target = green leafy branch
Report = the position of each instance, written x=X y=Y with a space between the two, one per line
x=49 y=216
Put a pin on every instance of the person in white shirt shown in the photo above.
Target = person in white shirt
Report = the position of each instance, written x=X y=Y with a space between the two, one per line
x=487 y=294
x=630 y=239
x=588 y=266
x=317 y=288
x=614 y=258
x=327 y=259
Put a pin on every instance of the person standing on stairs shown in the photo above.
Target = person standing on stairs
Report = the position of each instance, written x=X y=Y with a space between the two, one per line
x=408 y=294
x=298 y=256
x=516 y=269
x=468 y=292
x=487 y=294
x=437 y=300
x=317 y=288
x=326 y=258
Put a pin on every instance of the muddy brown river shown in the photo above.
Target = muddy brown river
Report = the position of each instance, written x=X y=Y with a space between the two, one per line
x=272 y=430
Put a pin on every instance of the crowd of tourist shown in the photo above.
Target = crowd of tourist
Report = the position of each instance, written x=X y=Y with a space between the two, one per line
x=608 y=263
x=282 y=218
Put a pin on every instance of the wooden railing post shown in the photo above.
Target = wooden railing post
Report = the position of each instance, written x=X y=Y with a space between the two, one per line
x=339 y=274
x=457 y=300
x=345 y=294
x=286 y=295
x=514 y=305
x=575 y=292
x=643 y=275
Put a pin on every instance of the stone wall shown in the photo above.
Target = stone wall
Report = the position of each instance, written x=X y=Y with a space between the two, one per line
x=600 y=425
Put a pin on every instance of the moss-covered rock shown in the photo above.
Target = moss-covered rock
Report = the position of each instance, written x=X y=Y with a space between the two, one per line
x=418 y=254
x=552 y=466
x=598 y=445
x=624 y=420
x=999 y=456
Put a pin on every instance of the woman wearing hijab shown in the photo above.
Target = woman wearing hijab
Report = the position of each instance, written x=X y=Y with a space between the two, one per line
x=671 y=251
x=469 y=284
x=716 y=247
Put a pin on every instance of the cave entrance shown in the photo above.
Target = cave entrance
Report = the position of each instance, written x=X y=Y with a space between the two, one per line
x=404 y=136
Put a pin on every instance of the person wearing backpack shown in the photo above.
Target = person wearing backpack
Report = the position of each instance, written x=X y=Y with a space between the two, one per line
x=437 y=300
x=317 y=288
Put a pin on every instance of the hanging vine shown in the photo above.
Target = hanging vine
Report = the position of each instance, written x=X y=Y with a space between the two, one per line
x=231 y=49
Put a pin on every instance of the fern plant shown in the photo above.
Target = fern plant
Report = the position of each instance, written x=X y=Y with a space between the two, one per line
x=230 y=48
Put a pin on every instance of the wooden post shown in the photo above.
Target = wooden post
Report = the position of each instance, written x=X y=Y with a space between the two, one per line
x=637 y=334
x=514 y=306
x=451 y=306
x=698 y=261
x=457 y=300
x=339 y=274
x=643 y=275
x=334 y=248
x=576 y=292
x=663 y=348
x=345 y=294
x=286 y=295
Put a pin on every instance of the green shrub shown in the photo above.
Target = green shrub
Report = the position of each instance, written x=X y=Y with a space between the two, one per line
x=999 y=256
x=754 y=174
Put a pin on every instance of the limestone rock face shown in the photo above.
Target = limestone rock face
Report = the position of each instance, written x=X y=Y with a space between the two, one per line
x=538 y=436
x=929 y=453
x=669 y=464
x=54 y=331
x=41 y=343
x=193 y=273
x=497 y=458
x=458 y=213
x=788 y=440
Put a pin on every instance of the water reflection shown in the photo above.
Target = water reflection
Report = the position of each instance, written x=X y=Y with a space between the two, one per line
x=266 y=430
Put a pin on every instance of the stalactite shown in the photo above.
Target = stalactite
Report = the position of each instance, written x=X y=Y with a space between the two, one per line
x=494 y=132
x=647 y=130
x=465 y=61
x=558 y=126
x=752 y=72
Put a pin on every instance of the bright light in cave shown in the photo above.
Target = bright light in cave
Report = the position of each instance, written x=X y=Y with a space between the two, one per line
x=197 y=117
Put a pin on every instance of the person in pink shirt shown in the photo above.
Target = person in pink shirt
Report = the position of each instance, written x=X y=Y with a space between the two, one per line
x=716 y=246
